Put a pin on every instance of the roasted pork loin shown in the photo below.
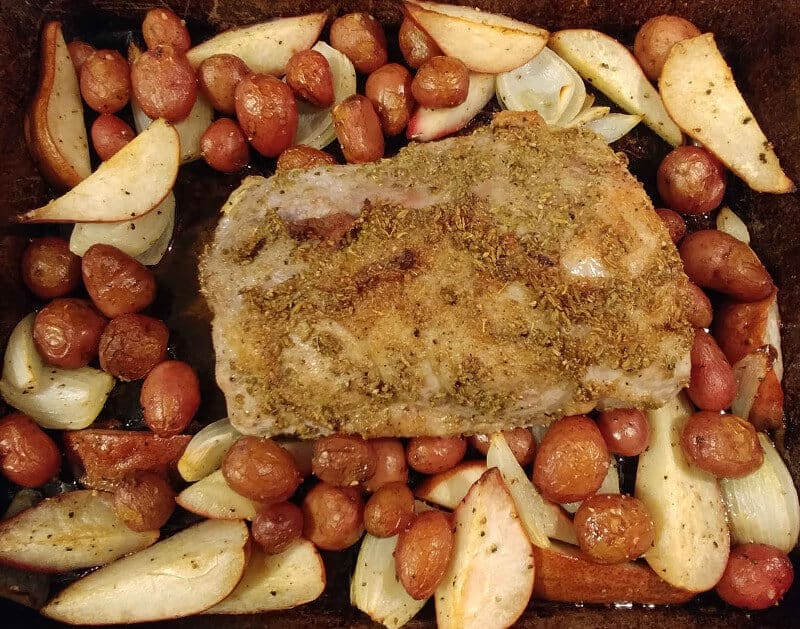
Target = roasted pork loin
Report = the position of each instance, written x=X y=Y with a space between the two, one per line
x=483 y=282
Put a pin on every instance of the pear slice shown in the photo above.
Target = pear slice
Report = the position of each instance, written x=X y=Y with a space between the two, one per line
x=212 y=497
x=484 y=42
x=700 y=94
x=274 y=582
x=490 y=577
x=265 y=47
x=179 y=576
x=73 y=530
x=611 y=68
x=130 y=184
x=54 y=127
x=447 y=489
x=692 y=542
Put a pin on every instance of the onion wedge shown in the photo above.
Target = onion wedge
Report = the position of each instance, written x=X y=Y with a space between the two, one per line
x=692 y=542
x=315 y=125
x=532 y=508
x=206 y=450
x=611 y=68
x=22 y=365
x=61 y=399
x=731 y=224
x=546 y=84
x=130 y=184
x=133 y=237
x=375 y=589
x=431 y=124
x=613 y=126
x=762 y=506
x=702 y=98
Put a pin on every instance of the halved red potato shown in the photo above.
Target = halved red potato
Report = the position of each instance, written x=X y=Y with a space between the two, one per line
x=701 y=96
x=740 y=328
x=102 y=458
x=566 y=574
x=54 y=126
x=447 y=489
x=610 y=67
x=491 y=547
x=79 y=529
x=431 y=124
x=273 y=582
x=759 y=395
x=180 y=576
x=265 y=47
x=212 y=497
x=484 y=42
x=130 y=184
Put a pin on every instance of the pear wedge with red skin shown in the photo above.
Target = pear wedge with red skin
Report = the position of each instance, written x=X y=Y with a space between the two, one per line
x=54 y=126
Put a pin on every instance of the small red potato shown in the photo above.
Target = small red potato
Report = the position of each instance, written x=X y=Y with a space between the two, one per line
x=67 y=332
x=674 y=223
x=267 y=113
x=333 y=517
x=276 y=526
x=571 y=461
x=757 y=576
x=343 y=460
x=28 y=456
x=109 y=134
x=224 y=146
x=625 y=430
x=713 y=259
x=441 y=82
x=358 y=129
x=218 y=77
x=79 y=52
x=691 y=180
x=423 y=553
x=105 y=81
x=613 y=528
x=144 y=501
x=164 y=83
x=360 y=37
x=389 y=511
x=416 y=45
x=655 y=39
x=309 y=75
x=117 y=283
x=304 y=157
x=260 y=469
x=712 y=384
x=389 y=91
x=161 y=27
x=698 y=306
x=131 y=345
x=431 y=455
x=390 y=465
x=49 y=268
x=723 y=445
x=170 y=397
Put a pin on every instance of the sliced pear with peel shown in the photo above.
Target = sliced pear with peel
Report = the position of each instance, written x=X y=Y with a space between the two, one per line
x=130 y=184
x=611 y=68
x=490 y=577
x=692 y=542
x=74 y=530
x=484 y=42
x=265 y=47
x=179 y=576
x=447 y=489
x=274 y=582
x=55 y=130
x=213 y=498
x=700 y=94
